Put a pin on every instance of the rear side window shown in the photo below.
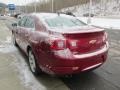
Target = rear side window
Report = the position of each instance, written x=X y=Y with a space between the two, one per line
x=61 y=22
x=29 y=23
x=22 y=22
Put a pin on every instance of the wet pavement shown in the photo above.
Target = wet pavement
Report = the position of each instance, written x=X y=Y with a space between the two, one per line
x=15 y=73
x=8 y=77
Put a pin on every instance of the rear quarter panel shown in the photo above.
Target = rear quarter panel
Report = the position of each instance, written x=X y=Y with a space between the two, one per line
x=39 y=43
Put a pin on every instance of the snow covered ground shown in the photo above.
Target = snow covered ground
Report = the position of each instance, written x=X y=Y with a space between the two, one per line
x=100 y=8
x=108 y=23
x=103 y=8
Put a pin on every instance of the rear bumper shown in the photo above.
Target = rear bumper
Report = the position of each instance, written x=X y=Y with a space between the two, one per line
x=66 y=67
x=73 y=70
x=64 y=63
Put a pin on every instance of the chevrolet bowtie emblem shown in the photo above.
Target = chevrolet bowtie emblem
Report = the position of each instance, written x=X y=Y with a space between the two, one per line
x=92 y=41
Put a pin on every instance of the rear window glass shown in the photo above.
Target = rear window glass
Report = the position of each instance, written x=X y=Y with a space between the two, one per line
x=61 y=22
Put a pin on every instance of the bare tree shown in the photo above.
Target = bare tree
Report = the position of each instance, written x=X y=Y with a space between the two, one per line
x=46 y=5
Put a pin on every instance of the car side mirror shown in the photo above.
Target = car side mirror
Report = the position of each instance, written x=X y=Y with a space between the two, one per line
x=14 y=24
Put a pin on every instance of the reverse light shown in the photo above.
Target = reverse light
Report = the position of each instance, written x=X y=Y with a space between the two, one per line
x=73 y=43
x=61 y=44
x=58 y=44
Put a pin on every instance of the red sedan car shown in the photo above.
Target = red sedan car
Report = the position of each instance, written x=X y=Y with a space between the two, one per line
x=60 y=44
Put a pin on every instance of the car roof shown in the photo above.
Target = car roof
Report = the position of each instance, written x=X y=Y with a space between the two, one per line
x=50 y=15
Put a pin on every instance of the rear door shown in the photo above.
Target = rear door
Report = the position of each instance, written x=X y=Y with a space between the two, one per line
x=20 y=31
x=29 y=29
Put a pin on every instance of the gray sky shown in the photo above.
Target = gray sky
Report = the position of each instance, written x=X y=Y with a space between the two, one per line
x=17 y=2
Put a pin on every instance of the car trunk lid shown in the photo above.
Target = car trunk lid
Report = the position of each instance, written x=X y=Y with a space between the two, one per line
x=89 y=40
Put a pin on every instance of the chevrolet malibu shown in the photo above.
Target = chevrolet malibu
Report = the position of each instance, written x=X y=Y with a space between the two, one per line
x=60 y=44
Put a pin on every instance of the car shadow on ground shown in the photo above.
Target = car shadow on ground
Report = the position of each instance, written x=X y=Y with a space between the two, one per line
x=82 y=81
x=88 y=81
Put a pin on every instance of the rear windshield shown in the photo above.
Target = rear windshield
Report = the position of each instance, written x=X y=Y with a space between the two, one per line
x=63 y=22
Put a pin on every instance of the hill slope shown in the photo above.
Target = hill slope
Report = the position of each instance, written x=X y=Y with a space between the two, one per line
x=103 y=8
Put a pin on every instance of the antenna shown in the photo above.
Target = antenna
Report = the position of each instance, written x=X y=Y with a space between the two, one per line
x=35 y=6
x=25 y=6
x=90 y=11
x=52 y=5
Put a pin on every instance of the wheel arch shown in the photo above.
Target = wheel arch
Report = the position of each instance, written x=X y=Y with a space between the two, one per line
x=28 y=48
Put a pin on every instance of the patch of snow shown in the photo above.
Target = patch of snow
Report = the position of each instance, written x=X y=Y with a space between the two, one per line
x=101 y=8
x=103 y=22
x=8 y=39
x=2 y=46
x=5 y=46
x=26 y=76
x=7 y=49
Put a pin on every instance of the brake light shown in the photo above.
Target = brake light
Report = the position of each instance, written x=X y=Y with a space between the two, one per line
x=58 y=44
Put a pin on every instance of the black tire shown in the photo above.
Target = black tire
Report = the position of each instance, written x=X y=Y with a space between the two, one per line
x=32 y=63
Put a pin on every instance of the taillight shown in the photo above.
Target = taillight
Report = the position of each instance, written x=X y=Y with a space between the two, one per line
x=58 y=44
